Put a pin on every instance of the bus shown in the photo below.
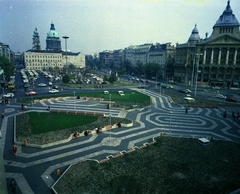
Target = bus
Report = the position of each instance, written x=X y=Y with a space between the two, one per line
x=11 y=84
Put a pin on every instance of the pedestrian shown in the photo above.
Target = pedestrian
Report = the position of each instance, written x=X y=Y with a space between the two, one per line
x=225 y=114
x=22 y=106
x=13 y=186
x=25 y=107
x=186 y=110
x=233 y=115
x=14 y=149
x=2 y=115
x=48 y=107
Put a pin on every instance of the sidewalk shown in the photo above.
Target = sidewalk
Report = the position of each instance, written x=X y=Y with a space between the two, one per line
x=3 y=184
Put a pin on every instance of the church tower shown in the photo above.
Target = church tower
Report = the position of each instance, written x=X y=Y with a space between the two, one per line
x=36 y=41
x=53 y=42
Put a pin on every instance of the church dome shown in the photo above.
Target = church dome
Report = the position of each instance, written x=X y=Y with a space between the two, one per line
x=194 y=35
x=52 y=33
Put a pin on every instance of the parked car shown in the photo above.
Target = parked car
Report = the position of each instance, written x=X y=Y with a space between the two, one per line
x=8 y=95
x=188 y=91
x=231 y=99
x=53 y=91
x=216 y=88
x=220 y=96
x=31 y=93
x=42 y=84
x=183 y=91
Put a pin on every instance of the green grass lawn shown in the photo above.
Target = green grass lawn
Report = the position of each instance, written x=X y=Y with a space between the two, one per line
x=130 y=96
x=45 y=122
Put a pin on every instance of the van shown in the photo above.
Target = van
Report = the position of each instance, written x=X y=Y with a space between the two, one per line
x=203 y=141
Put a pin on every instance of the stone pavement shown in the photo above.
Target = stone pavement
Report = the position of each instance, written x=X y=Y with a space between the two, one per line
x=162 y=116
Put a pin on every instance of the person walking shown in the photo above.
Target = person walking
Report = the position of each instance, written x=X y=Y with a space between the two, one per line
x=14 y=149
x=22 y=106
x=13 y=186
x=186 y=110
x=225 y=114
x=2 y=115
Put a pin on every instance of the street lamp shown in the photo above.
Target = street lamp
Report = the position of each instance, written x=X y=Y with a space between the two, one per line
x=198 y=56
x=110 y=117
x=74 y=100
x=66 y=37
x=170 y=122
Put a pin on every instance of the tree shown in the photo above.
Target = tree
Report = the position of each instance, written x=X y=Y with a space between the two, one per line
x=66 y=78
x=112 y=78
x=127 y=65
x=100 y=65
x=7 y=66
x=71 y=68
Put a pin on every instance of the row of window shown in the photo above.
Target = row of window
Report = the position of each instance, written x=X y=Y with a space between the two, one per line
x=37 y=60
x=43 y=56
x=225 y=30
x=39 y=64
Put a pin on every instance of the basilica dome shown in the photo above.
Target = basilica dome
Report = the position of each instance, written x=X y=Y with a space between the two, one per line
x=52 y=33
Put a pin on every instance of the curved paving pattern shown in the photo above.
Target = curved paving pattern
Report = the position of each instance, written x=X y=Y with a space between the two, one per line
x=35 y=169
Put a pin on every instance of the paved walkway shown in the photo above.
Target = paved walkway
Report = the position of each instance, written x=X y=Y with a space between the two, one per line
x=162 y=116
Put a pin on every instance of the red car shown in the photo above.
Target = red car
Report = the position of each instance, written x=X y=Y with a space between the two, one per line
x=31 y=93
x=231 y=99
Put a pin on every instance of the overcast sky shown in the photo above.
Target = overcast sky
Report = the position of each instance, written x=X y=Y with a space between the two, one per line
x=97 y=25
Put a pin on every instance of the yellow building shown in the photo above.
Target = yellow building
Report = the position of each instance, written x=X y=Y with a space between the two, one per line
x=43 y=60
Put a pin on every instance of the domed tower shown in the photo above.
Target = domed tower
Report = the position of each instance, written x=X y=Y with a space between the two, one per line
x=226 y=24
x=53 y=42
x=36 y=41
x=194 y=38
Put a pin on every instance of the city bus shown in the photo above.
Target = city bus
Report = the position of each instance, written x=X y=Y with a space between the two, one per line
x=11 y=84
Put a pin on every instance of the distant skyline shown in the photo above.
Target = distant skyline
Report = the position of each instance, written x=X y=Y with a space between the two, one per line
x=98 y=25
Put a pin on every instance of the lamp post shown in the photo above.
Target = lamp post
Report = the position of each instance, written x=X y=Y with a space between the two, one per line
x=74 y=100
x=170 y=127
x=198 y=56
x=110 y=122
x=66 y=37
x=193 y=71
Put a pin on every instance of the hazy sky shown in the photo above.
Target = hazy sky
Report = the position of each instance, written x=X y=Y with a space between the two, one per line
x=97 y=25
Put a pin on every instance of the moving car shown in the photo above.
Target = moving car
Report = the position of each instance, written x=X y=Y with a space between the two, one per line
x=55 y=87
x=31 y=93
x=8 y=95
x=231 y=99
x=53 y=91
x=220 y=96
x=216 y=88
x=42 y=84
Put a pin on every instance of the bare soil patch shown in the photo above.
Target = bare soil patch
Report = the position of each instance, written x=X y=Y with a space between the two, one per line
x=171 y=165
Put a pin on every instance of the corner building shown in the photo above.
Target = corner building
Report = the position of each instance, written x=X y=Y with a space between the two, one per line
x=214 y=60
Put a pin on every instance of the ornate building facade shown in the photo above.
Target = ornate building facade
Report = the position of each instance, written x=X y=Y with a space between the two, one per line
x=214 y=60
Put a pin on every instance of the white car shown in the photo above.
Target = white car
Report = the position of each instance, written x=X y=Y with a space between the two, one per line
x=8 y=95
x=220 y=96
x=216 y=88
x=50 y=83
x=188 y=91
x=53 y=91
x=42 y=84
